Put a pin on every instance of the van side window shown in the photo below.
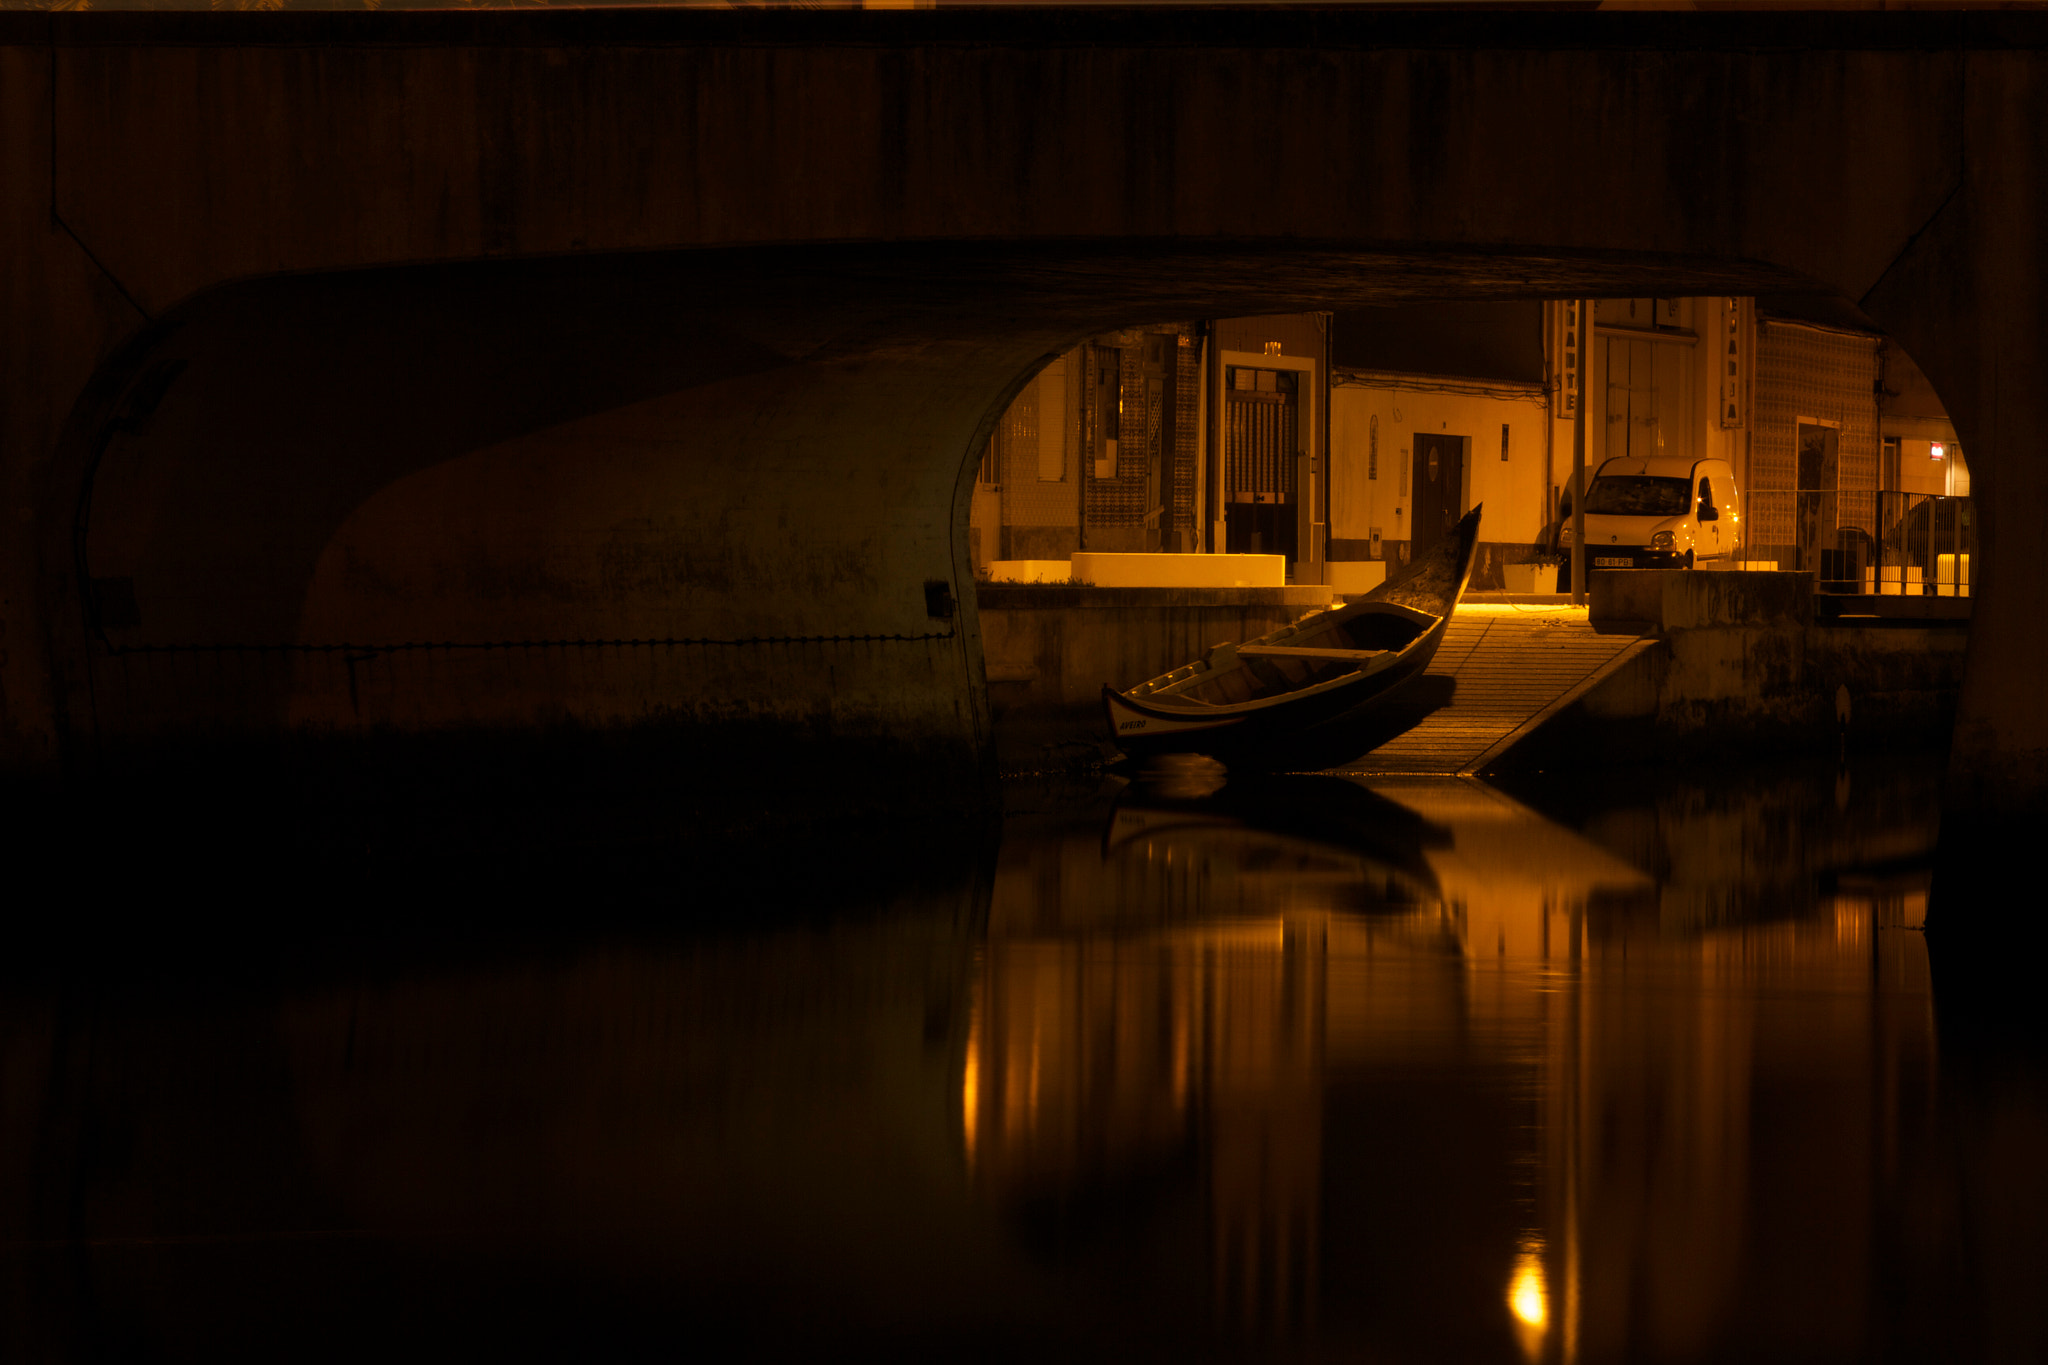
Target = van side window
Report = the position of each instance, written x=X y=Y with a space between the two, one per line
x=1707 y=512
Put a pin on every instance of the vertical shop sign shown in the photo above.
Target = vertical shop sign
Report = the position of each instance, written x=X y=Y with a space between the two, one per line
x=1734 y=347
x=1568 y=352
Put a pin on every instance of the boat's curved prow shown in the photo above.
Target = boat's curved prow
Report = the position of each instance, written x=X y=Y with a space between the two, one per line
x=1436 y=581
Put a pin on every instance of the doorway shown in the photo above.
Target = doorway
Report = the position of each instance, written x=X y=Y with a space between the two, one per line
x=1439 y=484
x=1262 y=446
x=1819 y=481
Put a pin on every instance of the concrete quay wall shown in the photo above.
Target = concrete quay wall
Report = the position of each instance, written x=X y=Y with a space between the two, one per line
x=1746 y=666
x=1743 y=665
x=1050 y=649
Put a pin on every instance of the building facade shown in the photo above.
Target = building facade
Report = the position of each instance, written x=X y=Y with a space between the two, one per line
x=1853 y=470
x=1101 y=450
x=1353 y=439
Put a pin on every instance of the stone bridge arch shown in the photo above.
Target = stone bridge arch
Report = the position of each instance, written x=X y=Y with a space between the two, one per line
x=482 y=281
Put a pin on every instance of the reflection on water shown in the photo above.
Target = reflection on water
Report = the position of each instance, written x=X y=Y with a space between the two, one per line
x=1392 y=1070
x=1510 y=1095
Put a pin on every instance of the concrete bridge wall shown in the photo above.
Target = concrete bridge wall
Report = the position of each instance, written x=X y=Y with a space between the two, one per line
x=501 y=376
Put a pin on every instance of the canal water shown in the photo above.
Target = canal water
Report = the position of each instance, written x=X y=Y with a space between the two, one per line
x=1191 y=1065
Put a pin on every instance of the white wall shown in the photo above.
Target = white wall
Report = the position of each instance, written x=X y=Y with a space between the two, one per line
x=1513 y=490
x=1040 y=438
x=1920 y=472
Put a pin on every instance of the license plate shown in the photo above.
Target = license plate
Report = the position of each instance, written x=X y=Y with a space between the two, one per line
x=1599 y=563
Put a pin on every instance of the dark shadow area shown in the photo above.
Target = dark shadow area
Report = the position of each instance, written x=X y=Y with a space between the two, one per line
x=1493 y=340
x=1348 y=739
x=268 y=1098
x=209 y=871
x=1983 y=957
x=1984 y=900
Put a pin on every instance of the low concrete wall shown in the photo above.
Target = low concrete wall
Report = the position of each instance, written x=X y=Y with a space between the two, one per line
x=1050 y=649
x=1128 y=570
x=1660 y=601
x=1744 y=666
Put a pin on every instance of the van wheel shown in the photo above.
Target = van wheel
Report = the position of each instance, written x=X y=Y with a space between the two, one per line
x=1688 y=559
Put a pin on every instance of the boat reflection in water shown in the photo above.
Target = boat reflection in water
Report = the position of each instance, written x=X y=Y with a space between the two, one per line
x=1404 y=1067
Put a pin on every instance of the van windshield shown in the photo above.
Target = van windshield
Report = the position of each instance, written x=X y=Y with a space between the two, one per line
x=1638 y=495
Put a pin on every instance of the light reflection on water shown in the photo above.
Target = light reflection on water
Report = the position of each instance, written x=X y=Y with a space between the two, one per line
x=1486 y=1091
x=1288 y=1066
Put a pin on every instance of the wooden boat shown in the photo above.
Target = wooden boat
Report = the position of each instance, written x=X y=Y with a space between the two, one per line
x=1327 y=664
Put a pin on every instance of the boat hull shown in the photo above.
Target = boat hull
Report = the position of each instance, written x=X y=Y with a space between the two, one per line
x=1142 y=723
x=1141 y=730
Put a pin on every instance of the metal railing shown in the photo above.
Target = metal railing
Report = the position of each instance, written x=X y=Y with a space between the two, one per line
x=1863 y=540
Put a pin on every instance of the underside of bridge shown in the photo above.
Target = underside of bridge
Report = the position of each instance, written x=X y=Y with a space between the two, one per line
x=564 y=397
x=659 y=508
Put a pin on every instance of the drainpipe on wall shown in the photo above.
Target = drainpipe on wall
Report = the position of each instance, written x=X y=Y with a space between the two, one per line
x=1084 y=446
x=1585 y=349
x=1329 y=455
x=1212 y=471
x=1550 y=392
x=1198 y=534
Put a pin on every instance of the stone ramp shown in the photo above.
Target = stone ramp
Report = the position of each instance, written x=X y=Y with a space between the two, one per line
x=1514 y=668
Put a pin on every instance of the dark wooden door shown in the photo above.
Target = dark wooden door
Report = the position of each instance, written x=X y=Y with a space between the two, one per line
x=1439 y=483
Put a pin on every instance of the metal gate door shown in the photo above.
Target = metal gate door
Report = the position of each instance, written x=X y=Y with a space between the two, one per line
x=1261 y=446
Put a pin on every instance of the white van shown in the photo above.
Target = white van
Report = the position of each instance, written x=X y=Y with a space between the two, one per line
x=1658 y=514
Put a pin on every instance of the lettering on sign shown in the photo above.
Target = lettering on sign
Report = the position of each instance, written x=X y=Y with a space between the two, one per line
x=1734 y=346
x=1568 y=364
